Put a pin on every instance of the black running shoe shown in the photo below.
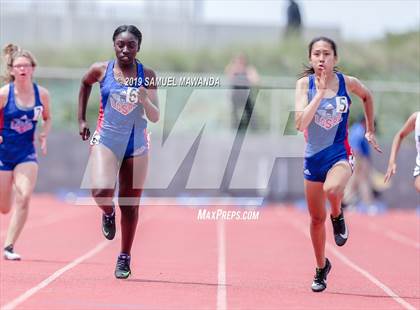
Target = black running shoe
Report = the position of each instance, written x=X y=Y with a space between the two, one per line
x=341 y=232
x=122 y=270
x=320 y=280
x=108 y=225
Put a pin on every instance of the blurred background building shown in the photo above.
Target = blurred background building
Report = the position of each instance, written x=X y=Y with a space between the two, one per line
x=176 y=23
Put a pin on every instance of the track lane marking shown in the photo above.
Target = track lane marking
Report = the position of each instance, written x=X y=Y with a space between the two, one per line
x=348 y=262
x=32 y=291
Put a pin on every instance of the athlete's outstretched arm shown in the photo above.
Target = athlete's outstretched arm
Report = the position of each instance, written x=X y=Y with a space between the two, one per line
x=46 y=119
x=148 y=97
x=356 y=87
x=304 y=112
x=93 y=75
x=396 y=143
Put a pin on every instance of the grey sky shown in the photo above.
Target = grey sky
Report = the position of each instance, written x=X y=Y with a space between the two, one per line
x=357 y=19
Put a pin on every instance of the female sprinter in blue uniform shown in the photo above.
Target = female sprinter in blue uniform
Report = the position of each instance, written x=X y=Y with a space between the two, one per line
x=22 y=102
x=322 y=110
x=119 y=146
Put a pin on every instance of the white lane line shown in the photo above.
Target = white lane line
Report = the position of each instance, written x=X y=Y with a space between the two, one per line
x=360 y=270
x=371 y=278
x=402 y=239
x=221 y=266
x=395 y=236
x=17 y=301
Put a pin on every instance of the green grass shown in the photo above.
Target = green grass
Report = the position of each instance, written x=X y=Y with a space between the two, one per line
x=393 y=58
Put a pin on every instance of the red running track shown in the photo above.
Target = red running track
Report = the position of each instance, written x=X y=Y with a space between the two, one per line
x=180 y=262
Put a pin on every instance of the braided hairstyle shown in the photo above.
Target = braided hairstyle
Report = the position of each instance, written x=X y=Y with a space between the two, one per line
x=131 y=29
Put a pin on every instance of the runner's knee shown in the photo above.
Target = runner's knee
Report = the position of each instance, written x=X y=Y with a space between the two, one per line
x=317 y=220
x=334 y=190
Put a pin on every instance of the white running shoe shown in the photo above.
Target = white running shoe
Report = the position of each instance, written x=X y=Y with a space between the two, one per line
x=9 y=254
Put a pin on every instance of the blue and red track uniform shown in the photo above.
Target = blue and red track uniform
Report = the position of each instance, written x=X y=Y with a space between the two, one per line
x=122 y=125
x=326 y=135
x=17 y=128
